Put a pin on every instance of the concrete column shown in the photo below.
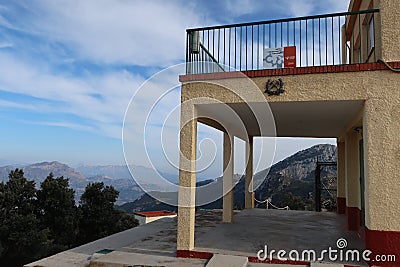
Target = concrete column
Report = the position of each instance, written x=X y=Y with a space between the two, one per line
x=187 y=180
x=341 y=177
x=227 y=213
x=353 y=203
x=381 y=127
x=249 y=196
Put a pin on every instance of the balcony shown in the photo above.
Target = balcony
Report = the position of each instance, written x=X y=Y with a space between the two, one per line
x=322 y=40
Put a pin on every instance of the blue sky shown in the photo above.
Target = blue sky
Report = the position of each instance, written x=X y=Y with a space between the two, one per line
x=68 y=69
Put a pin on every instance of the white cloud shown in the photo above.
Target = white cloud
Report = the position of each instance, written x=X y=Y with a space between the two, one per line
x=109 y=33
x=4 y=22
x=240 y=7
x=102 y=99
x=64 y=125
x=338 y=5
x=300 y=8
x=145 y=33
x=6 y=45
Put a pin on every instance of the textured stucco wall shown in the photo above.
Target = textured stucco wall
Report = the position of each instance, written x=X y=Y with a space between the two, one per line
x=382 y=158
x=381 y=122
x=152 y=219
x=249 y=184
x=389 y=28
x=352 y=170
x=187 y=178
x=341 y=170
x=381 y=92
x=308 y=87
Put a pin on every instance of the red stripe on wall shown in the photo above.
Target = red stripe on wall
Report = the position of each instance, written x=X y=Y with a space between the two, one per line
x=353 y=218
x=383 y=243
x=193 y=254
x=341 y=205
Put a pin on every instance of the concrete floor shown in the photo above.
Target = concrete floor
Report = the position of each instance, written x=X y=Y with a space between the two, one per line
x=251 y=230
x=278 y=229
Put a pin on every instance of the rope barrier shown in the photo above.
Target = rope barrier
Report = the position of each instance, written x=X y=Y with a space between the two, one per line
x=284 y=208
x=261 y=202
x=269 y=203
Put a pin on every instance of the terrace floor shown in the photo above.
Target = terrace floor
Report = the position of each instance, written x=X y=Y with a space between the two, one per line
x=250 y=232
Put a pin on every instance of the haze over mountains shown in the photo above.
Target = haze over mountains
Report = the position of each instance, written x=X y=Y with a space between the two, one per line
x=294 y=174
x=117 y=176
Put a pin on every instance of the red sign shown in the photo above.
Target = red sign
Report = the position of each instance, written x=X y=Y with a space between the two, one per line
x=289 y=55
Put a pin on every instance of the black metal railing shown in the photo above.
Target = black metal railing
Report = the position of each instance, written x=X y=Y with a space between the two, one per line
x=314 y=41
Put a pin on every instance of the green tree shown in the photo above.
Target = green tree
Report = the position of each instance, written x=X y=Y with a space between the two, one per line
x=58 y=212
x=294 y=202
x=99 y=218
x=21 y=237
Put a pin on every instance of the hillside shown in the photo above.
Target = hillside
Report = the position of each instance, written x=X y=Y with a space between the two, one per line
x=37 y=172
x=294 y=174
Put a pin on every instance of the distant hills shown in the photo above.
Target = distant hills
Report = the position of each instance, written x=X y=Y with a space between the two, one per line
x=39 y=171
x=115 y=175
x=294 y=174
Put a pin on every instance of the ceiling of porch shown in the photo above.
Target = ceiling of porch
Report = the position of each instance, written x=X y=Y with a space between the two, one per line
x=318 y=119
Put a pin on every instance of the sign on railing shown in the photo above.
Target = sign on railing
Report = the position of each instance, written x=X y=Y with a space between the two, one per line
x=273 y=58
x=281 y=57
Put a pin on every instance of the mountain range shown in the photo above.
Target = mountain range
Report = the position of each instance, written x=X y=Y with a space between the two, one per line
x=117 y=176
x=295 y=175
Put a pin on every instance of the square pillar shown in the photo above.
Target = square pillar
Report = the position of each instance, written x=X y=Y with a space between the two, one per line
x=381 y=127
x=187 y=179
x=227 y=180
x=341 y=177
x=353 y=202
x=249 y=194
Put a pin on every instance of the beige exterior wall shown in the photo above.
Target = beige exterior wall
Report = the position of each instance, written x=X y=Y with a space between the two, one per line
x=352 y=170
x=387 y=27
x=381 y=123
x=143 y=220
x=341 y=169
x=379 y=90
x=382 y=157
x=308 y=87
x=187 y=178
x=390 y=29
x=249 y=184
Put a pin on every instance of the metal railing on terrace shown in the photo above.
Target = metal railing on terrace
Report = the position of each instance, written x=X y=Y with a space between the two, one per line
x=331 y=39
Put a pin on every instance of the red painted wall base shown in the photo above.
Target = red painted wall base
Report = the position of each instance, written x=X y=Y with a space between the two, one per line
x=353 y=218
x=193 y=254
x=341 y=205
x=383 y=243
x=277 y=262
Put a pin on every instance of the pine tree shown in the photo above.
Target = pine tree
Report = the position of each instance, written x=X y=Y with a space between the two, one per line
x=58 y=212
x=21 y=237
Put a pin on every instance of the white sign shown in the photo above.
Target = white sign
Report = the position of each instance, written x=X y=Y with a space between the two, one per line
x=273 y=58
